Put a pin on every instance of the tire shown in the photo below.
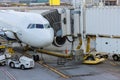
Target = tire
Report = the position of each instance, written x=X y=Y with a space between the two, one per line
x=37 y=57
x=34 y=57
x=106 y=56
x=91 y=57
x=3 y=64
x=115 y=57
x=22 y=67
x=12 y=65
x=98 y=55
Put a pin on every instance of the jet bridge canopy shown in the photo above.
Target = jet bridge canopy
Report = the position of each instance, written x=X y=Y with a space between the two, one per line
x=103 y=20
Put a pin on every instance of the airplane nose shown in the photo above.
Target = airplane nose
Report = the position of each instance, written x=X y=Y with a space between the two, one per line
x=39 y=37
x=47 y=37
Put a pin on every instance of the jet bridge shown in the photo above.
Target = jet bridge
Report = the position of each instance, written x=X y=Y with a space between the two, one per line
x=63 y=21
x=65 y=25
x=54 y=19
x=90 y=22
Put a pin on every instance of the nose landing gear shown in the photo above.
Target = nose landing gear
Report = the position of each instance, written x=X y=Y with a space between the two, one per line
x=36 y=57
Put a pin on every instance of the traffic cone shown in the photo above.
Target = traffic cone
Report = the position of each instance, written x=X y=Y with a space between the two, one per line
x=66 y=51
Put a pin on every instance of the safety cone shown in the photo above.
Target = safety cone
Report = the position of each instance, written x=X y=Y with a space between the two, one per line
x=66 y=51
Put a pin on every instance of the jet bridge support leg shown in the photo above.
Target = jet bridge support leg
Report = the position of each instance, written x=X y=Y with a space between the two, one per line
x=77 y=52
x=80 y=44
x=88 y=44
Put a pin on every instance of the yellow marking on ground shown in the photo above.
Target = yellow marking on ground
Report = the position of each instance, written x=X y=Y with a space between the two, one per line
x=50 y=67
x=54 y=70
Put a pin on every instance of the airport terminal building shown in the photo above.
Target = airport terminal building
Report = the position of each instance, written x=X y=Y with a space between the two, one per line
x=25 y=1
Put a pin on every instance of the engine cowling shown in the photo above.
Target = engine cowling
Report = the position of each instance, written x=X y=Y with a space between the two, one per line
x=59 y=41
x=10 y=35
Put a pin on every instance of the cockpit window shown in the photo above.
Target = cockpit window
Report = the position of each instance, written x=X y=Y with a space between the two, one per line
x=31 y=26
x=47 y=26
x=38 y=26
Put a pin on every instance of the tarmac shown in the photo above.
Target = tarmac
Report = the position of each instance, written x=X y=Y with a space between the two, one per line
x=108 y=70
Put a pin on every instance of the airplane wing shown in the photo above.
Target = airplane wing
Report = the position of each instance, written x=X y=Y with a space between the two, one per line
x=6 y=27
x=9 y=24
x=8 y=30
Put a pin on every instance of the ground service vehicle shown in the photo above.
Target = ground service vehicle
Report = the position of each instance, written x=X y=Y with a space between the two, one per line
x=3 y=58
x=21 y=62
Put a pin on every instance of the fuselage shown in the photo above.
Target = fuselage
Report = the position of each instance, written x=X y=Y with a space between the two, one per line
x=30 y=28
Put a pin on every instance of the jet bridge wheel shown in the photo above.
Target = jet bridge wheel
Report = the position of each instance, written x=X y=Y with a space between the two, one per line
x=98 y=55
x=115 y=57
x=90 y=57
x=12 y=65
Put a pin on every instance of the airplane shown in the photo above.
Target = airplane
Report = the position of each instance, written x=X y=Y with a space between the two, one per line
x=29 y=28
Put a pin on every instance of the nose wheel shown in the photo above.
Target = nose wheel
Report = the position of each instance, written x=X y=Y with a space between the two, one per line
x=115 y=57
x=36 y=57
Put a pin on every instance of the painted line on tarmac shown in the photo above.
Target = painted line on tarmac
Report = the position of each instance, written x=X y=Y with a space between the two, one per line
x=53 y=69
x=8 y=74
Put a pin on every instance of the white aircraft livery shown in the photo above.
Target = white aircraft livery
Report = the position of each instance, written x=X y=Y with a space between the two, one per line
x=29 y=28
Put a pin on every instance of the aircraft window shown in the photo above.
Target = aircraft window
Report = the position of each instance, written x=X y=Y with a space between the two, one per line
x=39 y=26
x=31 y=26
x=47 y=26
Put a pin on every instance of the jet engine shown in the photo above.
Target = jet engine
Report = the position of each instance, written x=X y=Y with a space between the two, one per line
x=10 y=35
x=59 y=41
